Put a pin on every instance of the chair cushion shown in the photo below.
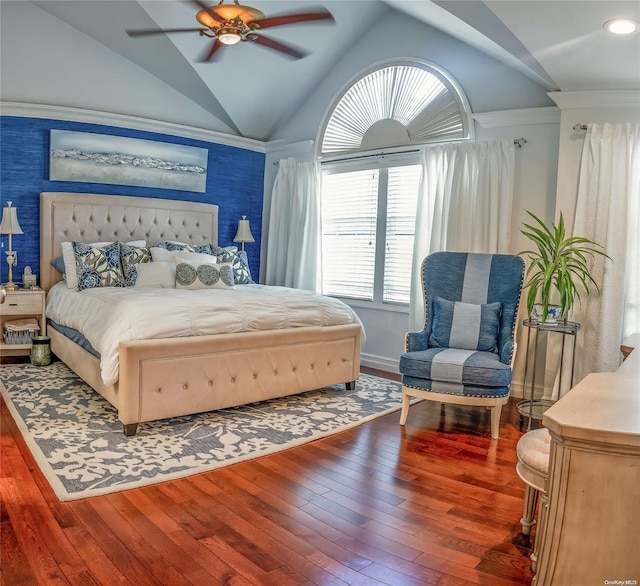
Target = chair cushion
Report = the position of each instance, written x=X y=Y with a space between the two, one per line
x=470 y=326
x=533 y=449
x=457 y=389
x=456 y=371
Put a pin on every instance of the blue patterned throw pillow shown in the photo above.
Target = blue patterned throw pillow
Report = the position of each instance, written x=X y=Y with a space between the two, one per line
x=175 y=246
x=98 y=266
x=468 y=326
x=239 y=261
x=243 y=274
x=203 y=249
x=131 y=257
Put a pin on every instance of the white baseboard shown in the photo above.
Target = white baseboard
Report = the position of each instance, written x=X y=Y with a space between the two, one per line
x=383 y=363
x=516 y=390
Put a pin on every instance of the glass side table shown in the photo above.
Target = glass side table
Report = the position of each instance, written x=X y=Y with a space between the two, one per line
x=532 y=408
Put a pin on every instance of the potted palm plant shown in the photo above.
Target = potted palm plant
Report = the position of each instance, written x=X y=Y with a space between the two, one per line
x=558 y=267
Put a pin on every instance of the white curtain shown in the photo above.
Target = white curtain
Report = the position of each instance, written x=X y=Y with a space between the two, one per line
x=465 y=204
x=607 y=211
x=293 y=246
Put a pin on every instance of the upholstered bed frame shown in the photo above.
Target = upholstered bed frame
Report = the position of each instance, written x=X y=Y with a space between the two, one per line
x=164 y=378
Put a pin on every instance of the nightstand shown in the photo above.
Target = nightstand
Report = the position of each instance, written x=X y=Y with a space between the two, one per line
x=17 y=305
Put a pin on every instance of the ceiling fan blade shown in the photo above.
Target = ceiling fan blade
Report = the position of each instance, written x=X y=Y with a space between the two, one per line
x=210 y=54
x=147 y=32
x=271 y=21
x=278 y=46
x=212 y=13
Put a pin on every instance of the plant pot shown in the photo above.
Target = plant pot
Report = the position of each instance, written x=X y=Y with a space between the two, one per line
x=553 y=313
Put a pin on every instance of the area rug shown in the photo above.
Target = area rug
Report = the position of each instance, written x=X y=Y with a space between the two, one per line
x=76 y=438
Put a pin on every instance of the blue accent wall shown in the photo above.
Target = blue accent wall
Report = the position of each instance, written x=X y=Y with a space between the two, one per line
x=235 y=182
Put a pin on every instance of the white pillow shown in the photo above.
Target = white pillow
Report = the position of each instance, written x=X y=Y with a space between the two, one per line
x=195 y=275
x=156 y=275
x=69 y=258
x=161 y=254
x=198 y=257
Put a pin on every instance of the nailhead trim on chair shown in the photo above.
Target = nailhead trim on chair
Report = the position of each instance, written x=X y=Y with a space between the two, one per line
x=464 y=395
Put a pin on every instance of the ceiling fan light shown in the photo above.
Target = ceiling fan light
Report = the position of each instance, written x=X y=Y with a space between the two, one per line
x=228 y=37
x=621 y=26
x=204 y=18
x=227 y=13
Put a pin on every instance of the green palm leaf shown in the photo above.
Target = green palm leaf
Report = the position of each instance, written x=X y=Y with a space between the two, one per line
x=560 y=267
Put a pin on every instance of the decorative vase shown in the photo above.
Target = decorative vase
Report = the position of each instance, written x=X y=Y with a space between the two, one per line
x=553 y=313
x=40 y=350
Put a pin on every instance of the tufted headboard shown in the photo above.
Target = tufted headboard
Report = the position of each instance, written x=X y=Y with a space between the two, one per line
x=88 y=217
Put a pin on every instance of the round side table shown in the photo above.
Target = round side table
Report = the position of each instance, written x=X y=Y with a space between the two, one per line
x=535 y=408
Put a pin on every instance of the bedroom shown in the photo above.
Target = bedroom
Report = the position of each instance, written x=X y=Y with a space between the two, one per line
x=96 y=87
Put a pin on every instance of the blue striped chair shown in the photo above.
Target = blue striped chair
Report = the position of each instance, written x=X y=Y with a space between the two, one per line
x=465 y=351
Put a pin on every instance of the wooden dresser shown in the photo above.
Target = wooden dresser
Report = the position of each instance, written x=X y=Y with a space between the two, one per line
x=590 y=527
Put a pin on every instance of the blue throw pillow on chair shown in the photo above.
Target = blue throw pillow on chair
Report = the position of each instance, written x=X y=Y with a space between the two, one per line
x=468 y=326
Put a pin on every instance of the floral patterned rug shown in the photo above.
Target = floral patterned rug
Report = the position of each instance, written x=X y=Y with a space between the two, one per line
x=76 y=438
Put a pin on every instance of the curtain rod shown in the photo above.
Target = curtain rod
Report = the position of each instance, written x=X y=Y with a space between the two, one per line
x=517 y=141
x=580 y=127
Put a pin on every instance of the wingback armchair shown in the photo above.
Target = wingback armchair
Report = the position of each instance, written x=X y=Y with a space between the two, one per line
x=464 y=353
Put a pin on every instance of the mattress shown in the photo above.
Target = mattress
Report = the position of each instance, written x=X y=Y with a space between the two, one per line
x=109 y=315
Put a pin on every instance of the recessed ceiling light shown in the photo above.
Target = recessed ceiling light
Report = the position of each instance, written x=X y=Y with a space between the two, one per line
x=621 y=26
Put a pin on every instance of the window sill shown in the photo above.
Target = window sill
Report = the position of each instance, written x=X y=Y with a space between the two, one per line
x=394 y=308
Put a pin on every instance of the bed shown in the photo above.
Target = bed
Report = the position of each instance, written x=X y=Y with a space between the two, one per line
x=168 y=377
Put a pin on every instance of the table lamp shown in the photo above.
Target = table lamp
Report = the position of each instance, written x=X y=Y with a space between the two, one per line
x=244 y=232
x=10 y=226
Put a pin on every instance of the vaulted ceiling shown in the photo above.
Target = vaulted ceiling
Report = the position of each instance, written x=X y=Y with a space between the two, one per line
x=561 y=45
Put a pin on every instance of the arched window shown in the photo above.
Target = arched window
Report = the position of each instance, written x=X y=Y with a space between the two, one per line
x=371 y=174
x=401 y=104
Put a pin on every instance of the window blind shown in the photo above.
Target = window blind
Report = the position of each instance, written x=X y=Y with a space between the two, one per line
x=349 y=204
x=418 y=96
x=402 y=199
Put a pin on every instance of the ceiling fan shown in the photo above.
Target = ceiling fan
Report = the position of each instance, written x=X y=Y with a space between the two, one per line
x=229 y=24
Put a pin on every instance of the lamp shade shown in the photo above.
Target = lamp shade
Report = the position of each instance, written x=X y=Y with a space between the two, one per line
x=244 y=231
x=10 y=224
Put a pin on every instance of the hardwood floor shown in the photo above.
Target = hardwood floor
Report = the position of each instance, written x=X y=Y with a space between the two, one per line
x=436 y=502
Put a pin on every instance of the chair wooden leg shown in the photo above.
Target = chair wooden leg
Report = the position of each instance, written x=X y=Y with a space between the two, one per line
x=496 y=411
x=530 y=502
x=406 y=401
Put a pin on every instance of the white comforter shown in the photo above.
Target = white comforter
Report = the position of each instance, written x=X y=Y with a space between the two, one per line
x=107 y=316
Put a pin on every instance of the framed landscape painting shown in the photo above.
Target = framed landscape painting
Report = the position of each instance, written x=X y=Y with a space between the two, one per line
x=117 y=160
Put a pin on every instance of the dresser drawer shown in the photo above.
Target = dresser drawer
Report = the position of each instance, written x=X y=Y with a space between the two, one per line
x=21 y=303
